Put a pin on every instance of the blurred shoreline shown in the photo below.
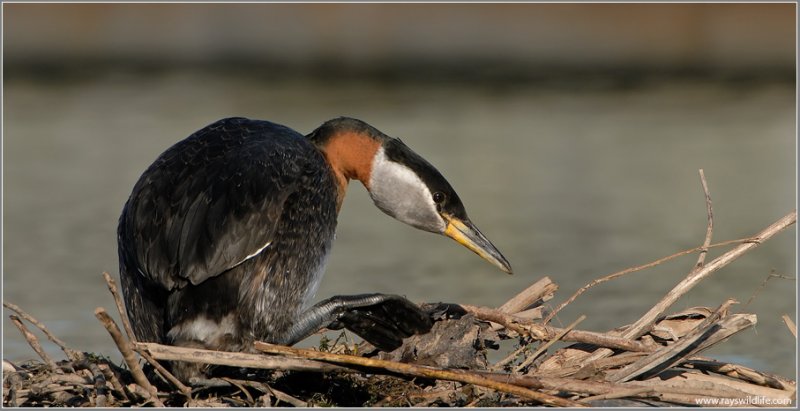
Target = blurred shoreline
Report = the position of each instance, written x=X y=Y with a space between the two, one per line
x=495 y=73
x=484 y=41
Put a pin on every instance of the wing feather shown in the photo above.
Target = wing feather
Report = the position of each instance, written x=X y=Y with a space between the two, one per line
x=214 y=199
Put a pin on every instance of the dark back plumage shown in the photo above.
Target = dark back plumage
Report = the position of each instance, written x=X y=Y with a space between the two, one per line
x=236 y=196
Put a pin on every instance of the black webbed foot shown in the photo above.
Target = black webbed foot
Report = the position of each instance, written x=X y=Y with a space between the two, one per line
x=385 y=324
x=381 y=319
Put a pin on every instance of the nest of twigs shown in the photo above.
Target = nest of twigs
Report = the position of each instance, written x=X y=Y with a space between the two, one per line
x=652 y=362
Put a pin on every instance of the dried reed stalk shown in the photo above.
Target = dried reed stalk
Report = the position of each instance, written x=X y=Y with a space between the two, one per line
x=33 y=342
x=236 y=359
x=71 y=354
x=790 y=325
x=645 y=323
x=112 y=287
x=541 y=290
x=127 y=354
x=542 y=348
x=544 y=332
x=418 y=371
x=715 y=328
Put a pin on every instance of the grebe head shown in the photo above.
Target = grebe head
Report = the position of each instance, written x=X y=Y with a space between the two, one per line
x=401 y=183
x=405 y=186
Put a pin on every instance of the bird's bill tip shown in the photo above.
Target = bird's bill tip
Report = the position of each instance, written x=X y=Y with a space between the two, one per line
x=466 y=234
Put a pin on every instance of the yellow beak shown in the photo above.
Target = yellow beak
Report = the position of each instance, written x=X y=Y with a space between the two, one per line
x=469 y=236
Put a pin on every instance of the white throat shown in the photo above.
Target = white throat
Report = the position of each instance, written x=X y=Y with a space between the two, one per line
x=400 y=193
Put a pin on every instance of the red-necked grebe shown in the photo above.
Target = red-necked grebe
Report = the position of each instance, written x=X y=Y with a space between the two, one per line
x=224 y=238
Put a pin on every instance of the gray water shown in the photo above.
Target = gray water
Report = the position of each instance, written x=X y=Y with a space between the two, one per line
x=572 y=182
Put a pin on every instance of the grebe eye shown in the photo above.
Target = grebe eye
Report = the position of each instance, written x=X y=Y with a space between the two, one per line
x=438 y=197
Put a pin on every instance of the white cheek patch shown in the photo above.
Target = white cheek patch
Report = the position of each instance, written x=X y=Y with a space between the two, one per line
x=400 y=193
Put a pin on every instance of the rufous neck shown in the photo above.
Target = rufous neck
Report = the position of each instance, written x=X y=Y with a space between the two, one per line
x=350 y=155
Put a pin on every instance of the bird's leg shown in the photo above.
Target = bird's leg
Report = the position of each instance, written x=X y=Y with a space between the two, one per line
x=327 y=311
x=382 y=319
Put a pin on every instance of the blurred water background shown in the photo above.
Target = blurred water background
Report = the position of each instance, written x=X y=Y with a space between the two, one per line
x=573 y=133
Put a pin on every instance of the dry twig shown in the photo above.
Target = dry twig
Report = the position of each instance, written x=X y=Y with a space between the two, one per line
x=548 y=344
x=646 y=321
x=236 y=359
x=186 y=391
x=714 y=329
x=626 y=393
x=630 y=270
x=127 y=354
x=71 y=354
x=543 y=332
x=500 y=364
x=790 y=324
x=419 y=371
x=539 y=290
x=112 y=377
x=112 y=286
x=33 y=342
x=763 y=285
x=685 y=394
x=742 y=373
x=710 y=227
